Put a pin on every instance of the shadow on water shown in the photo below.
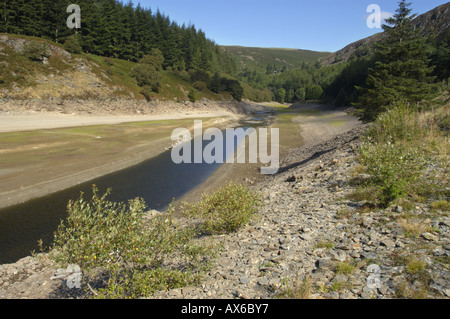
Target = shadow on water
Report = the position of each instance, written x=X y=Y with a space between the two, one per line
x=158 y=181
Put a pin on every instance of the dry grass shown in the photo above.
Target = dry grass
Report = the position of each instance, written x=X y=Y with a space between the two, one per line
x=412 y=227
x=299 y=288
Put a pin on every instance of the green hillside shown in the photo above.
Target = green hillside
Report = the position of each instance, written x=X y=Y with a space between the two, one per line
x=260 y=58
x=34 y=68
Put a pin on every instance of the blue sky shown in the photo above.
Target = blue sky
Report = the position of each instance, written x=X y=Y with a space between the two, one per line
x=320 y=25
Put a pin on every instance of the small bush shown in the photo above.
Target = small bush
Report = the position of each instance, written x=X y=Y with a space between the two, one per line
x=344 y=268
x=199 y=76
x=226 y=210
x=297 y=289
x=314 y=92
x=441 y=205
x=147 y=75
x=108 y=61
x=155 y=59
x=397 y=152
x=135 y=254
x=200 y=86
x=35 y=51
x=72 y=45
x=192 y=96
x=415 y=266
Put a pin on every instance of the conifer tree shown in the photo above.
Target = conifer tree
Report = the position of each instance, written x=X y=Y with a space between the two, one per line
x=402 y=70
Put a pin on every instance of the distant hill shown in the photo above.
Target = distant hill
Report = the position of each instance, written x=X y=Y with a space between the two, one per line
x=259 y=58
x=435 y=22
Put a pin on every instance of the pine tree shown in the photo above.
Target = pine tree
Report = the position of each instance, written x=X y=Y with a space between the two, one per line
x=441 y=58
x=401 y=72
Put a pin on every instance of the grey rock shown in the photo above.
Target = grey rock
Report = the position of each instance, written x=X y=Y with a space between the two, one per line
x=429 y=236
x=263 y=282
x=332 y=295
x=340 y=278
x=305 y=236
x=388 y=243
x=347 y=296
x=369 y=255
x=325 y=264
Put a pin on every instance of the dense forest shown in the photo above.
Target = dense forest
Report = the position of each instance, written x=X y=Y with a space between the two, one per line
x=111 y=28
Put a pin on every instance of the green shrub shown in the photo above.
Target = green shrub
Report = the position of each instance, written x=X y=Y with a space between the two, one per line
x=147 y=75
x=199 y=76
x=314 y=92
x=35 y=51
x=200 y=86
x=192 y=96
x=72 y=45
x=394 y=168
x=136 y=254
x=155 y=59
x=226 y=210
x=397 y=152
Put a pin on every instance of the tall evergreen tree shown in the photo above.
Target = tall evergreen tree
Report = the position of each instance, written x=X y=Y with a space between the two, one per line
x=441 y=58
x=402 y=71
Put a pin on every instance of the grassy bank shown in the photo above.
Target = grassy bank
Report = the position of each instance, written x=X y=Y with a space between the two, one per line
x=404 y=158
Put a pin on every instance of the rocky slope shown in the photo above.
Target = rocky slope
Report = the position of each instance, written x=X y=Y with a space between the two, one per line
x=311 y=242
x=308 y=241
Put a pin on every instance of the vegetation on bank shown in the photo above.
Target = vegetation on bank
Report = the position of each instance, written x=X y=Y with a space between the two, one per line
x=405 y=151
x=404 y=156
x=40 y=65
x=226 y=210
x=126 y=252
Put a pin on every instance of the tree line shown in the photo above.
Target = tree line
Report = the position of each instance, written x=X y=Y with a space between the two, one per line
x=111 y=28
